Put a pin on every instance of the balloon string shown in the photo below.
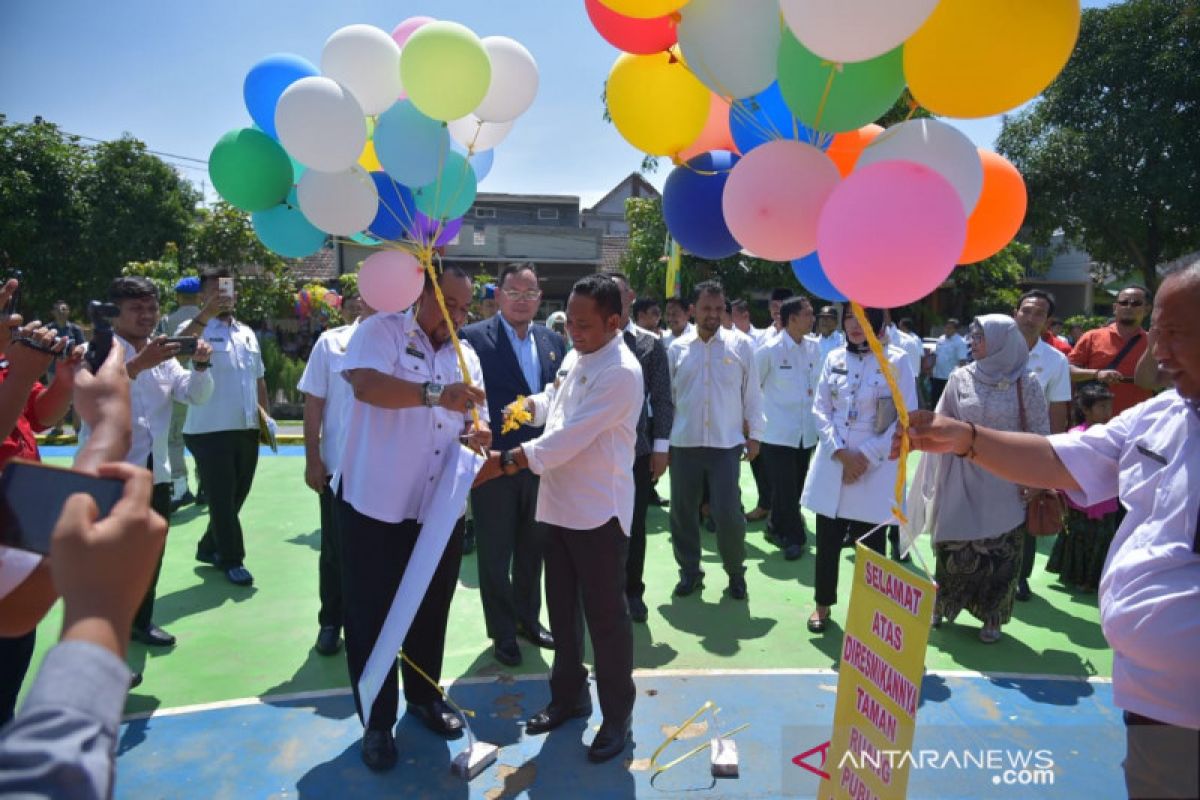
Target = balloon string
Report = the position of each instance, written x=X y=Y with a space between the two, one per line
x=445 y=696
x=426 y=257
x=913 y=105
x=834 y=68
x=889 y=375
x=768 y=131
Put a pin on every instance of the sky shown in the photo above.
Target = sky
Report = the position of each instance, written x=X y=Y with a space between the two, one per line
x=170 y=73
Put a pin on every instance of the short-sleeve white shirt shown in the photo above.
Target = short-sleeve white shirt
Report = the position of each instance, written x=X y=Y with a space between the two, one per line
x=236 y=367
x=1053 y=371
x=323 y=378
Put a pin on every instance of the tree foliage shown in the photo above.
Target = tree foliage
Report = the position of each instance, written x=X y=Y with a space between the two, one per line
x=1110 y=152
x=991 y=286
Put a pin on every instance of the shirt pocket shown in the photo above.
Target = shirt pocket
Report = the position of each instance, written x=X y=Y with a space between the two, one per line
x=1145 y=469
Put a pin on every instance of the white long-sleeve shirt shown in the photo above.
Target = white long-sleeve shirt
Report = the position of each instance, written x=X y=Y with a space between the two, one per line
x=585 y=455
x=716 y=390
x=788 y=372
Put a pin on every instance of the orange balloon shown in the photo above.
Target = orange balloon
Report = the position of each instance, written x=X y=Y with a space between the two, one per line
x=716 y=134
x=1000 y=211
x=846 y=147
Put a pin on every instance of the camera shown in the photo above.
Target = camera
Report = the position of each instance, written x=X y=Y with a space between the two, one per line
x=101 y=316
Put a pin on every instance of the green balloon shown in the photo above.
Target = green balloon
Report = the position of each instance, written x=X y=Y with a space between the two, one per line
x=250 y=170
x=860 y=92
x=446 y=70
x=451 y=195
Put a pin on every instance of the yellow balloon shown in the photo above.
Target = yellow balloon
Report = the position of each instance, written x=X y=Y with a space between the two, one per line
x=976 y=58
x=368 y=160
x=657 y=105
x=644 y=9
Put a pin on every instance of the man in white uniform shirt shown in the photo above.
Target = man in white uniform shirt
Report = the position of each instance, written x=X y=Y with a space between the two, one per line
x=949 y=354
x=412 y=407
x=327 y=399
x=718 y=417
x=158 y=382
x=585 y=457
x=679 y=319
x=829 y=334
x=187 y=294
x=1148 y=456
x=788 y=369
x=223 y=433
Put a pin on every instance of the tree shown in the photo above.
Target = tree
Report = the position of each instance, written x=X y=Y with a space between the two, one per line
x=1110 y=152
x=991 y=286
x=164 y=272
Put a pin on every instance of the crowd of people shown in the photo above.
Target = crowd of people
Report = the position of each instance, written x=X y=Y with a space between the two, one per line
x=613 y=405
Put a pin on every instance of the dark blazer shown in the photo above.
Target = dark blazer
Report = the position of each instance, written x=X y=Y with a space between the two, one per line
x=502 y=376
x=657 y=377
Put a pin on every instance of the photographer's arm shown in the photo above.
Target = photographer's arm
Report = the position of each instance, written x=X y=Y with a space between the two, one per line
x=102 y=400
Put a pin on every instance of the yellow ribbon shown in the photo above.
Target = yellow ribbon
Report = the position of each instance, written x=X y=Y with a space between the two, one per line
x=468 y=712
x=658 y=770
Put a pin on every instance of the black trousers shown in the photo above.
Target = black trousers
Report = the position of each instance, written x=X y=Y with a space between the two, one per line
x=225 y=461
x=788 y=467
x=1161 y=760
x=509 y=543
x=831 y=534
x=160 y=501
x=590 y=565
x=762 y=483
x=374 y=557
x=635 y=564
x=329 y=576
x=15 y=655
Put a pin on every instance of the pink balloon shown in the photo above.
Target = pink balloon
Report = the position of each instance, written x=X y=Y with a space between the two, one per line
x=891 y=233
x=391 y=280
x=774 y=197
x=409 y=27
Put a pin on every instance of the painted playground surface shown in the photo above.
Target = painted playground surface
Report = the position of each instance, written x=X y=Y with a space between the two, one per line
x=243 y=708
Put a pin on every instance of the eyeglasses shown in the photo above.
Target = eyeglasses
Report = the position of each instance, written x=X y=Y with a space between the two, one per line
x=529 y=296
x=1133 y=303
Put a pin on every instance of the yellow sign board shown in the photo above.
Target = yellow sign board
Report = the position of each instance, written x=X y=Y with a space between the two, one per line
x=879 y=681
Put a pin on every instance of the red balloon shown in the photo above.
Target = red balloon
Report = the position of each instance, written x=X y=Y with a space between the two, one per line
x=639 y=36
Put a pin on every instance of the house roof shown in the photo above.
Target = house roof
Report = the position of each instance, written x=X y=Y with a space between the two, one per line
x=320 y=266
x=637 y=185
x=611 y=250
x=545 y=199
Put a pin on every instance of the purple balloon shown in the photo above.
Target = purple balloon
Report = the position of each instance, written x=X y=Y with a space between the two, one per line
x=425 y=228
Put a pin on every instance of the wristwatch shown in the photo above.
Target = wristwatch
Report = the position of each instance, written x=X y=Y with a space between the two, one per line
x=200 y=366
x=431 y=394
x=508 y=462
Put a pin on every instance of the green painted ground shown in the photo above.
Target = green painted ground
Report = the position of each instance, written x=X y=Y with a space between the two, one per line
x=236 y=642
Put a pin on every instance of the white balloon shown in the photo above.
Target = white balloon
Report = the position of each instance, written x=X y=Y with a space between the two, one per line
x=732 y=47
x=475 y=135
x=514 y=80
x=941 y=147
x=366 y=61
x=320 y=124
x=854 y=30
x=341 y=203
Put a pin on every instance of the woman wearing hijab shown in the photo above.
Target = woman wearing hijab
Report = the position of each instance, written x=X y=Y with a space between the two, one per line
x=850 y=481
x=978 y=519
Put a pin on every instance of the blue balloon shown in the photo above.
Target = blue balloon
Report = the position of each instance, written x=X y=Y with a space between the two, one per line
x=410 y=145
x=266 y=82
x=394 y=217
x=286 y=231
x=812 y=277
x=692 y=205
x=765 y=117
x=480 y=162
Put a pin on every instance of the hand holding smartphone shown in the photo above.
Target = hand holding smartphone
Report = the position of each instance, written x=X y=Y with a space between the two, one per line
x=32 y=496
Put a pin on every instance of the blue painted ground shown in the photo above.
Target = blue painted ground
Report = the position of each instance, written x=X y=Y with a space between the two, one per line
x=309 y=746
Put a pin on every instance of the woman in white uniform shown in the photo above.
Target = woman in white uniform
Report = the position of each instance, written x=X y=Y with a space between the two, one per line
x=851 y=482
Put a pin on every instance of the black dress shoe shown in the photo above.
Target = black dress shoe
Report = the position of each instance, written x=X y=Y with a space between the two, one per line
x=239 y=576
x=153 y=636
x=438 y=717
x=689 y=584
x=737 y=588
x=207 y=558
x=552 y=716
x=818 y=624
x=537 y=635
x=610 y=742
x=507 y=652
x=378 y=750
x=793 y=552
x=184 y=500
x=329 y=640
x=637 y=609
x=1023 y=591
x=135 y=680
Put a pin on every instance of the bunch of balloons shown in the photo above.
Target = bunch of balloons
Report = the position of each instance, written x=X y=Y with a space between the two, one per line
x=383 y=145
x=316 y=300
x=767 y=109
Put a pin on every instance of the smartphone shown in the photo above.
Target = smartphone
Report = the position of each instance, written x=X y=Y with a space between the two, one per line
x=225 y=287
x=187 y=344
x=32 y=497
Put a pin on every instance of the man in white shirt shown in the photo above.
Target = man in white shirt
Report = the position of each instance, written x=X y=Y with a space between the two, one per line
x=647 y=315
x=223 y=433
x=1053 y=372
x=412 y=405
x=950 y=352
x=327 y=399
x=585 y=457
x=718 y=417
x=1148 y=456
x=829 y=333
x=679 y=319
x=788 y=369
x=187 y=295
x=158 y=382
